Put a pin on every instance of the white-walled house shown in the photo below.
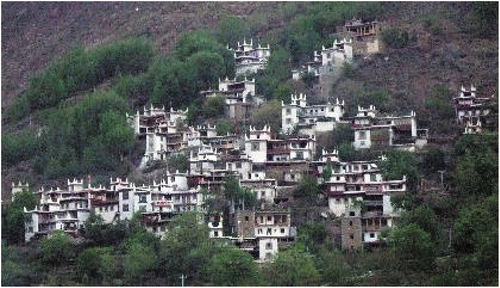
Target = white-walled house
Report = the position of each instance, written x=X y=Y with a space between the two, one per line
x=68 y=209
x=357 y=190
x=310 y=119
x=373 y=130
x=471 y=110
x=250 y=59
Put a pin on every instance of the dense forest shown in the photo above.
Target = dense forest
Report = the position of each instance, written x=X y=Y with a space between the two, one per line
x=70 y=116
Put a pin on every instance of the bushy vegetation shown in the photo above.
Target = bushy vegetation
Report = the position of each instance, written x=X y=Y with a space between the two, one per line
x=83 y=139
x=395 y=37
x=81 y=70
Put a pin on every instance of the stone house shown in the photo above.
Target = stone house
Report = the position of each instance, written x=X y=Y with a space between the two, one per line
x=472 y=111
x=374 y=130
x=357 y=193
x=250 y=59
x=310 y=119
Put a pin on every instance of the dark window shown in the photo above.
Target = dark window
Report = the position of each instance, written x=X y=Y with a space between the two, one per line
x=142 y=199
x=246 y=218
x=372 y=235
x=352 y=213
x=351 y=236
x=125 y=207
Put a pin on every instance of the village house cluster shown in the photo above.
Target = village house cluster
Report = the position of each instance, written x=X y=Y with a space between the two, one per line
x=472 y=112
x=269 y=165
x=266 y=165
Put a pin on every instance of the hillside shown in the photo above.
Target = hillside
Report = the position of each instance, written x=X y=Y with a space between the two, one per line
x=444 y=47
x=414 y=193
x=35 y=34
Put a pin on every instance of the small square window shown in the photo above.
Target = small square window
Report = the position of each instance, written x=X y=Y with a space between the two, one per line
x=255 y=146
x=247 y=219
x=216 y=233
x=372 y=235
x=351 y=236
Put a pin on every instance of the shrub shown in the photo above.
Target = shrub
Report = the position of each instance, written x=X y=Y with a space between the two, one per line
x=395 y=37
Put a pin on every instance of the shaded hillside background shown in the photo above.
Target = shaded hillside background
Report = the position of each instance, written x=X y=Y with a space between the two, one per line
x=36 y=33
x=449 y=45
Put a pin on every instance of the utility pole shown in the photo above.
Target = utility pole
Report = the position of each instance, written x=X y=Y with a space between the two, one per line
x=441 y=172
x=182 y=279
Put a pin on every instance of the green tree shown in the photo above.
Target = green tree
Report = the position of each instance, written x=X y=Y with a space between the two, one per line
x=93 y=228
x=307 y=189
x=292 y=268
x=198 y=263
x=129 y=56
x=57 y=249
x=414 y=247
x=334 y=271
x=231 y=29
x=434 y=160
x=186 y=233
x=178 y=162
x=233 y=267
x=268 y=114
x=302 y=38
x=114 y=130
x=14 y=222
x=476 y=165
x=139 y=87
x=327 y=172
x=238 y=195
x=223 y=126
x=91 y=265
x=201 y=40
x=347 y=152
x=310 y=237
x=169 y=76
x=20 y=266
x=45 y=90
x=471 y=228
x=18 y=108
x=207 y=67
x=214 y=107
x=139 y=264
x=426 y=219
x=278 y=65
x=400 y=163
